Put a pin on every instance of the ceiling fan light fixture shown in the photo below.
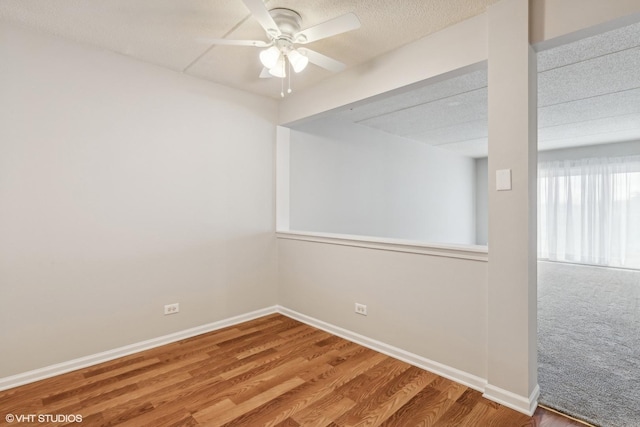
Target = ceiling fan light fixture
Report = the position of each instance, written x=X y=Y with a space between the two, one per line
x=270 y=57
x=278 y=54
x=298 y=61
x=278 y=70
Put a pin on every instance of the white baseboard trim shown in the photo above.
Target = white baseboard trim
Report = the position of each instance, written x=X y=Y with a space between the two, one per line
x=469 y=380
x=105 y=356
x=496 y=394
x=504 y=397
x=512 y=400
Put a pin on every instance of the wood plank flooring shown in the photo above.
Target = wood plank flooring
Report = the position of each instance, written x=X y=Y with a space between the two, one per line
x=272 y=371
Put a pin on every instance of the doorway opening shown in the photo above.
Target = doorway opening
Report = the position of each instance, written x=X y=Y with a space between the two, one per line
x=589 y=227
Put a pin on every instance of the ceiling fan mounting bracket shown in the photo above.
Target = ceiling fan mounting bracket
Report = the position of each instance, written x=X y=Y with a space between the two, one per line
x=288 y=21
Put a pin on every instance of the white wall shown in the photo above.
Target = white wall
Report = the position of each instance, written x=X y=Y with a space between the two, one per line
x=350 y=179
x=466 y=45
x=620 y=149
x=428 y=305
x=512 y=281
x=562 y=21
x=124 y=187
x=482 y=201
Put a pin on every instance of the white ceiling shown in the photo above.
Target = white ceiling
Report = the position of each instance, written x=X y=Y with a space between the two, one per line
x=172 y=33
x=588 y=93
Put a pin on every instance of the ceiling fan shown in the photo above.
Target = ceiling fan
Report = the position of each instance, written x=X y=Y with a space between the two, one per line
x=283 y=30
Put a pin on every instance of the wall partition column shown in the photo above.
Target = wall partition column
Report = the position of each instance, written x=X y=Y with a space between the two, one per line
x=512 y=337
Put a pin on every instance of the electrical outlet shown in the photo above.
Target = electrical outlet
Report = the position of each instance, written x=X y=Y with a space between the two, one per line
x=361 y=309
x=171 y=308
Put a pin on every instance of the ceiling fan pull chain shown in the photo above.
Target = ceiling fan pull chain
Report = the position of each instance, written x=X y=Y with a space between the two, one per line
x=282 y=88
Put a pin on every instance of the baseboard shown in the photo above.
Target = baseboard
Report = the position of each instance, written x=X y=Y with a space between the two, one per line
x=94 y=359
x=465 y=378
x=496 y=394
x=512 y=400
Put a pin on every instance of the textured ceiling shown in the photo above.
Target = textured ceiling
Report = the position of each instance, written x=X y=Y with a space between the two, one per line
x=173 y=33
x=588 y=93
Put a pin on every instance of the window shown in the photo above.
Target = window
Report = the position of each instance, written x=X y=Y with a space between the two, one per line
x=589 y=211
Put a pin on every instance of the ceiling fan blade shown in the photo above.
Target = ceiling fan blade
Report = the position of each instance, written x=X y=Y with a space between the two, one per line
x=262 y=15
x=335 y=26
x=322 y=61
x=255 y=43
x=265 y=74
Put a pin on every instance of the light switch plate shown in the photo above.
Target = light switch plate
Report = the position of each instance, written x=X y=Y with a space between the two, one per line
x=503 y=179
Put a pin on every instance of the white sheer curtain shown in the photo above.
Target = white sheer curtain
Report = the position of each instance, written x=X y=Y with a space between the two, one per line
x=589 y=211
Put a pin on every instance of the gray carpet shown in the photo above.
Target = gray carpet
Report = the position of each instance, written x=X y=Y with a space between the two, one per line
x=589 y=342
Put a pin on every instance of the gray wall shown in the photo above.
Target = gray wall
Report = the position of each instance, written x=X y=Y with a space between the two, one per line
x=124 y=187
x=351 y=179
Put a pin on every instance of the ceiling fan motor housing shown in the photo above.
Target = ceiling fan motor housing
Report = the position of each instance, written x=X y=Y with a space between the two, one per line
x=288 y=22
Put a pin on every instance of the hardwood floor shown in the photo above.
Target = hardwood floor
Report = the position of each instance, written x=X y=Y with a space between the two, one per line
x=270 y=371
